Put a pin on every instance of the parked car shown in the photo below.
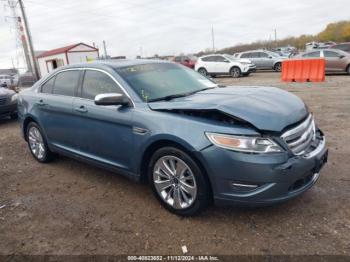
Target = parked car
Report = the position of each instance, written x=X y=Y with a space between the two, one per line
x=263 y=59
x=26 y=80
x=6 y=81
x=185 y=60
x=336 y=60
x=8 y=103
x=192 y=141
x=343 y=46
x=217 y=64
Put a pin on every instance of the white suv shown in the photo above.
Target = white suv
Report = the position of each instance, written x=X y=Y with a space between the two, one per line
x=224 y=65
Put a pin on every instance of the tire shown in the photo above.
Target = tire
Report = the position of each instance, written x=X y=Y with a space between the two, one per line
x=348 y=70
x=203 y=71
x=278 y=67
x=14 y=116
x=235 y=72
x=191 y=185
x=37 y=143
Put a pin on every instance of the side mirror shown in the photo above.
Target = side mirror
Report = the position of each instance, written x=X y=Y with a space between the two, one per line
x=111 y=99
x=341 y=56
x=270 y=57
x=226 y=61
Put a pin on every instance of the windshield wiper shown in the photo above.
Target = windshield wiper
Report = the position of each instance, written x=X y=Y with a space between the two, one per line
x=170 y=97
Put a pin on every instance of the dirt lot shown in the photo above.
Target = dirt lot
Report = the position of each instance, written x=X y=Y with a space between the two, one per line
x=68 y=207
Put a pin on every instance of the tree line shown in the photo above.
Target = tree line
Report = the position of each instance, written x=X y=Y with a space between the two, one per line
x=337 y=32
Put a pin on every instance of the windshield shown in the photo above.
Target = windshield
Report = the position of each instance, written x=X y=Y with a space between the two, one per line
x=155 y=81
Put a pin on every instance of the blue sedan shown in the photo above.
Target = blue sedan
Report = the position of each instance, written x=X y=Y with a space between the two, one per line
x=193 y=141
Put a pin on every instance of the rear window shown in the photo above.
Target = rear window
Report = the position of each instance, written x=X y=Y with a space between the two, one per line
x=331 y=54
x=312 y=54
x=246 y=55
x=48 y=86
x=66 y=83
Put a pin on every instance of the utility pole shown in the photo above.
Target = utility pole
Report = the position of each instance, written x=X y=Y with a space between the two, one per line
x=276 y=37
x=213 y=37
x=105 y=48
x=25 y=46
x=30 y=41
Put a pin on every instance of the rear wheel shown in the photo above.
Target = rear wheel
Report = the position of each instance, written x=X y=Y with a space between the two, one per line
x=348 y=70
x=178 y=182
x=278 y=67
x=37 y=143
x=203 y=71
x=235 y=72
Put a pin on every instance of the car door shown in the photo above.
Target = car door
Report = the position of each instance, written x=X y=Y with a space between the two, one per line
x=209 y=63
x=104 y=133
x=265 y=60
x=255 y=58
x=53 y=108
x=222 y=64
x=334 y=61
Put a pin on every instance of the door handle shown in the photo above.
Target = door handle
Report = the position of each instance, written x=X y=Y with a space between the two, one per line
x=41 y=103
x=81 y=109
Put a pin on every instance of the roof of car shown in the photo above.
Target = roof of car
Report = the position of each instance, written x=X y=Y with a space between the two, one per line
x=118 y=63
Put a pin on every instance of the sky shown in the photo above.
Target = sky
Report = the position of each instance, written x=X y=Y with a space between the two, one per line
x=163 y=27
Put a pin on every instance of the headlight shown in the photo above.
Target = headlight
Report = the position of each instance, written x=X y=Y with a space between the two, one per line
x=14 y=98
x=244 y=143
x=245 y=63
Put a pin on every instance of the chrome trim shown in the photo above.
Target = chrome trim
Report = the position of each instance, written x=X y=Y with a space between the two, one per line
x=244 y=185
x=139 y=130
x=86 y=68
x=318 y=149
x=299 y=128
x=299 y=138
x=315 y=177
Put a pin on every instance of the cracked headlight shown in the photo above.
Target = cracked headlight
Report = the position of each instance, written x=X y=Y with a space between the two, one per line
x=244 y=143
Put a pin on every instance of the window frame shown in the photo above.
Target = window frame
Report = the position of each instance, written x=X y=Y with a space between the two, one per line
x=80 y=89
x=76 y=87
x=331 y=51
x=40 y=89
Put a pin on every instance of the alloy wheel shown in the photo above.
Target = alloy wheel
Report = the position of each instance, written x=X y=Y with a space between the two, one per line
x=36 y=142
x=235 y=72
x=174 y=182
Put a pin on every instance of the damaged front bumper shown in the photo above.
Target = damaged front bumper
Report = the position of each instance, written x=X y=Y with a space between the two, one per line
x=261 y=179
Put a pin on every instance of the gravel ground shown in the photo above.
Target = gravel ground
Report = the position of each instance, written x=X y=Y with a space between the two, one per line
x=68 y=207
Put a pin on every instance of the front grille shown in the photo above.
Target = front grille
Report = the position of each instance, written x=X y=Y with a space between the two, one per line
x=300 y=138
x=3 y=100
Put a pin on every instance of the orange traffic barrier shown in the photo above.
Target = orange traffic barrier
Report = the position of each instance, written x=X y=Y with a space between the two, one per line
x=303 y=70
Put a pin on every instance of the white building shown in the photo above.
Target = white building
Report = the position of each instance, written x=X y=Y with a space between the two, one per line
x=67 y=55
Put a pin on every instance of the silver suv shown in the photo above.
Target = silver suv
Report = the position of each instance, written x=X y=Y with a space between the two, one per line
x=263 y=59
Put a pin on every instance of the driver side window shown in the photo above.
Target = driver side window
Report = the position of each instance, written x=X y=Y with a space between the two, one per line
x=96 y=82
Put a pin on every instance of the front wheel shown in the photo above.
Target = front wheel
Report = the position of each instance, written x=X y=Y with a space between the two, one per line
x=235 y=72
x=178 y=182
x=37 y=143
x=348 y=70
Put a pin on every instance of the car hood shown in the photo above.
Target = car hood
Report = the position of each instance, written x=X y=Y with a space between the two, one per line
x=266 y=108
x=6 y=92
